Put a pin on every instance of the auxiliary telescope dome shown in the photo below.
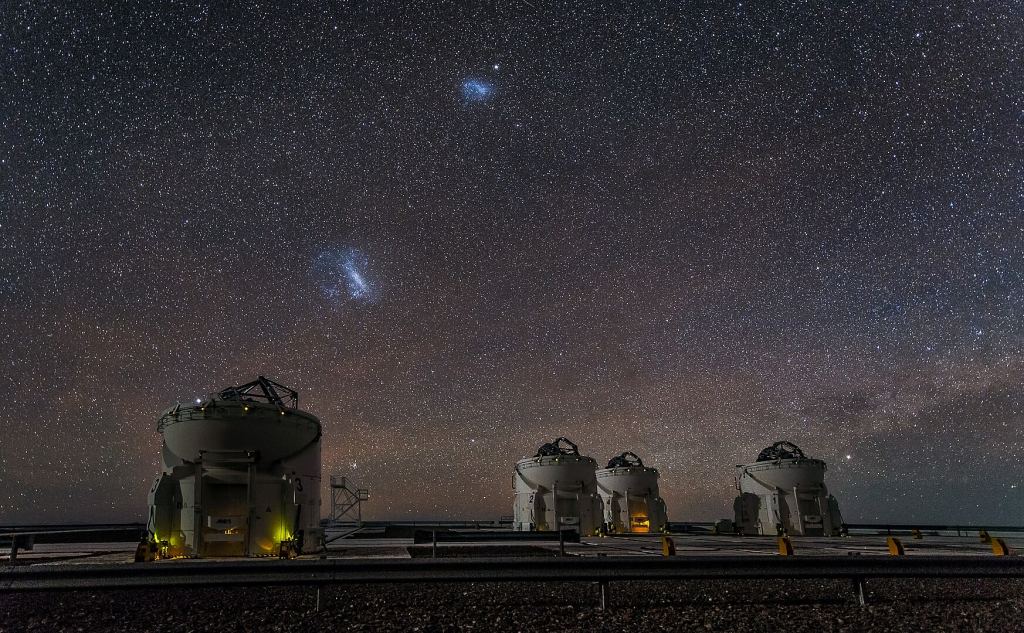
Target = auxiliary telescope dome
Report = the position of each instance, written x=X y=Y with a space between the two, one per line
x=629 y=492
x=783 y=492
x=556 y=489
x=241 y=475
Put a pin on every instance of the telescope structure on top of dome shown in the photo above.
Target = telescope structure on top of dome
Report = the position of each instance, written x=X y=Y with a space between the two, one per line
x=784 y=492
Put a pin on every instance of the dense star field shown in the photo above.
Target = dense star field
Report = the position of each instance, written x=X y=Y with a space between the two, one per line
x=460 y=231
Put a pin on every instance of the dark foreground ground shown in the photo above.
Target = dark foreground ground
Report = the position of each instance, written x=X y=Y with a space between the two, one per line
x=812 y=605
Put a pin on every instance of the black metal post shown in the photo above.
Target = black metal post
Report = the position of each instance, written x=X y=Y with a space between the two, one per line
x=603 y=586
x=433 y=544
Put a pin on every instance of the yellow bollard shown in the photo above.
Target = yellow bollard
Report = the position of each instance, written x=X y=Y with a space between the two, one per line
x=983 y=535
x=999 y=547
x=785 y=546
x=145 y=552
x=895 y=546
x=668 y=546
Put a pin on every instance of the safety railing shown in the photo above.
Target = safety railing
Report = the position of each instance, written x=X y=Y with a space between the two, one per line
x=600 y=570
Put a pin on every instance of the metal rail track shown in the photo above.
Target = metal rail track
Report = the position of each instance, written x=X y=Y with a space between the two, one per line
x=598 y=569
x=678 y=527
x=104 y=534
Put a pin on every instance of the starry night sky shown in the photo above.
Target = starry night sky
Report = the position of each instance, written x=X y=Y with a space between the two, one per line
x=461 y=231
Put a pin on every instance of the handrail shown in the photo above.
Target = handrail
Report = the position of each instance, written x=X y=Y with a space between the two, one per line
x=582 y=569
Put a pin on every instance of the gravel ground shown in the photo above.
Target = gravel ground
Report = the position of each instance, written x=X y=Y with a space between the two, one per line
x=816 y=606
